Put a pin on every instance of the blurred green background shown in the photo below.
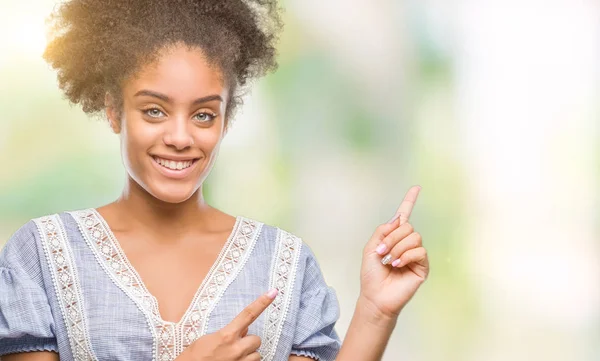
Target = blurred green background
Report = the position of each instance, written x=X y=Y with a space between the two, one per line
x=492 y=107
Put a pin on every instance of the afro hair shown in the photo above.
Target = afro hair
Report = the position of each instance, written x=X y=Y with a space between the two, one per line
x=97 y=44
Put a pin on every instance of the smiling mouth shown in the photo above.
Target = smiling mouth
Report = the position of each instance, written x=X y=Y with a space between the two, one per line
x=174 y=165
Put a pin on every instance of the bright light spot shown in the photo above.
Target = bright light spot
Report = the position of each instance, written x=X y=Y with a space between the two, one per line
x=23 y=30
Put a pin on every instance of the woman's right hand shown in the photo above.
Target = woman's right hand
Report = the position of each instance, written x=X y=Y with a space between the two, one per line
x=232 y=342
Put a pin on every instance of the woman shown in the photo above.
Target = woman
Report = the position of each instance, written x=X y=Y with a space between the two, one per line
x=159 y=274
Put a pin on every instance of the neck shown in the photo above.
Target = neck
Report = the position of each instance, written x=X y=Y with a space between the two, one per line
x=136 y=207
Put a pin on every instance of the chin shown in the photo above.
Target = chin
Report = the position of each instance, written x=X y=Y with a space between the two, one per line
x=176 y=194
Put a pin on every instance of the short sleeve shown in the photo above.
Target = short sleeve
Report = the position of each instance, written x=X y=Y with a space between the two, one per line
x=26 y=322
x=315 y=335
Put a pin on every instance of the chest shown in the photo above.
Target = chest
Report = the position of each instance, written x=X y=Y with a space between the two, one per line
x=172 y=270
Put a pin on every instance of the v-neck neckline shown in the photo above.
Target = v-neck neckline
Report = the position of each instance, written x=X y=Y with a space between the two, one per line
x=131 y=279
x=138 y=279
x=170 y=338
x=114 y=240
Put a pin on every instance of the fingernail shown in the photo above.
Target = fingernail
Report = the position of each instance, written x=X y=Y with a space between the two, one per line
x=396 y=263
x=394 y=218
x=272 y=293
x=386 y=259
x=381 y=249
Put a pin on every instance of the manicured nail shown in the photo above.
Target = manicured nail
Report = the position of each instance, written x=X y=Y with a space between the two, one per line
x=394 y=218
x=386 y=259
x=272 y=293
x=396 y=263
x=381 y=249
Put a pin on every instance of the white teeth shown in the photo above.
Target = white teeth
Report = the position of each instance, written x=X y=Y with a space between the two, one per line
x=172 y=164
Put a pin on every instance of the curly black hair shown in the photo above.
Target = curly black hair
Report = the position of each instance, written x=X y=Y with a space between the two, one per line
x=96 y=44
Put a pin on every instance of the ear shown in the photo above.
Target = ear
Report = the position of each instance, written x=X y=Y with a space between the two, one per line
x=112 y=113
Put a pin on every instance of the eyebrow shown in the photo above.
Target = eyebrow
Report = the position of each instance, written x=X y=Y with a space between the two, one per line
x=166 y=98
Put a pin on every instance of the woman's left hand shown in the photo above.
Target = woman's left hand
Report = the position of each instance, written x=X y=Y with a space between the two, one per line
x=394 y=262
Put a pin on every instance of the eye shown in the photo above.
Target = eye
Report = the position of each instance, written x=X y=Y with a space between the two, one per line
x=204 y=117
x=154 y=113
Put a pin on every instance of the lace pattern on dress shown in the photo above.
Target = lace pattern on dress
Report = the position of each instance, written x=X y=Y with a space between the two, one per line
x=66 y=284
x=283 y=275
x=170 y=338
x=224 y=271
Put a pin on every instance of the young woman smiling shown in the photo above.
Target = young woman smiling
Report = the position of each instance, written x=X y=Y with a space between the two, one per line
x=159 y=274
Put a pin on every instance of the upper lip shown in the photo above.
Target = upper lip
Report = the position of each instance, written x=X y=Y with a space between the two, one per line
x=175 y=158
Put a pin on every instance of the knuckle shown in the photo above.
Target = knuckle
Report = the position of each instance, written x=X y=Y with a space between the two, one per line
x=381 y=228
x=250 y=314
x=416 y=255
x=408 y=227
x=413 y=253
x=257 y=341
x=226 y=336
x=237 y=351
x=416 y=240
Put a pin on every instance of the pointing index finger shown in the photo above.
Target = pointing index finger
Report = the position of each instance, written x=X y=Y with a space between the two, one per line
x=407 y=204
x=249 y=314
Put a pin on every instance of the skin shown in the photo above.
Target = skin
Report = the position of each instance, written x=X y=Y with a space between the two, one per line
x=161 y=220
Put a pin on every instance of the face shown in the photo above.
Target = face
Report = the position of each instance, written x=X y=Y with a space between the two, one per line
x=172 y=123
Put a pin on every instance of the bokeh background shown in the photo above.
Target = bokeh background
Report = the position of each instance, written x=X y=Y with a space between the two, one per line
x=490 y=106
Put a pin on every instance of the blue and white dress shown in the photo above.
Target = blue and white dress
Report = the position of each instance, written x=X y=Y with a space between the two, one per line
x=67 y=286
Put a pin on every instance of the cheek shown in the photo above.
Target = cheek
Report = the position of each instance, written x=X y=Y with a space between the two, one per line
x=207 y=140
x=137 y=138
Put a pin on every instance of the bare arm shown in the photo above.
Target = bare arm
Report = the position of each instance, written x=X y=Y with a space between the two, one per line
x=31 y=356
x=368 y=334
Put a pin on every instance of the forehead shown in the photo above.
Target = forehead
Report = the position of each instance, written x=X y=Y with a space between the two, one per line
x=181 y=72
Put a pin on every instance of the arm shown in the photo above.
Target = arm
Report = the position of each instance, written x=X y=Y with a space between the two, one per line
x=26 y=322
x=31 y=356
x=368 y=334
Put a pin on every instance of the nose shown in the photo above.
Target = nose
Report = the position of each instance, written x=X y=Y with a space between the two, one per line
x=177 y=134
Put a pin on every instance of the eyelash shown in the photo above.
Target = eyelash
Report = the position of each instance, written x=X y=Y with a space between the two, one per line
x=211 y=115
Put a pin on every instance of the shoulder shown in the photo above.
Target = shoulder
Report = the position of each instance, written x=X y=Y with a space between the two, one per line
x=272 y=234
x=23 y=251
x=285 y=243
x=21 y=244
x=25 y=243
